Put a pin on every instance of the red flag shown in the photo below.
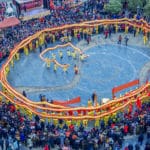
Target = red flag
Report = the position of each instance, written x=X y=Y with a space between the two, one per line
x=138 y=103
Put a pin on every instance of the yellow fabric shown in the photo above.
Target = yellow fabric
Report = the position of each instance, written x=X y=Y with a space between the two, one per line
x=96 y=28
x=116 y=28
x=89 y=103
x=7 y=69
x=26 y=51
x=145 y=39
x=126 y=29
x=6 y=101
x=68 y=53
x=55 y=67
x=91 y=113
x=41 y=39
x=1 y=98
x=137 y=31
x=75 y=32
x=3 y=89
x=97 y=123
x=85 y=122
x=48 y=63
x=17 y=56
x=12 y=62
x=53 y=38
x=30 y=46
x=53 y=56
x=60 y=54
x=80 y=30
x=65 y=69
x=78 y=123
x=68 y=122
x=74 y=54
x=42 y=120
x=55 y=121
x=37 y=44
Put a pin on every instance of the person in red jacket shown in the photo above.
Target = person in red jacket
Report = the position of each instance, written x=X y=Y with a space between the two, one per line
x=46 y=147
x=126 y=129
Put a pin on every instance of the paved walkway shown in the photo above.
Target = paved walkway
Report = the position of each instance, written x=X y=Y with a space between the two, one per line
x=133 y=41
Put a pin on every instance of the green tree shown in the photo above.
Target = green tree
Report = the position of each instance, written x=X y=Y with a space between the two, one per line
x=133 y=5
x=114 y=6
x=147 y=9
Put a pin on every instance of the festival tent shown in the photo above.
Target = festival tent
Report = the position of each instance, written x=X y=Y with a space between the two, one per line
x=8 y=22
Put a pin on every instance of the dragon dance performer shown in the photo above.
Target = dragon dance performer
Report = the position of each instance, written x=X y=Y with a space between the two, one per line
x=53 y=56
x=48 y=63
x=73 y=55
x=55 y=67
x=68 y=53
x=61 y=54
x=65 y=68
x=83 y=56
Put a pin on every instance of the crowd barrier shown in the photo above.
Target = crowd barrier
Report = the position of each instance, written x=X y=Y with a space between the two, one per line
x=55 y=111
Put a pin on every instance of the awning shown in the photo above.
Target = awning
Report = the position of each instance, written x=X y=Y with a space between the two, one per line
x=8 y=22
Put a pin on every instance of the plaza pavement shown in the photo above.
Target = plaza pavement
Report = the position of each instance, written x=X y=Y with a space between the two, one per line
x=99 y=39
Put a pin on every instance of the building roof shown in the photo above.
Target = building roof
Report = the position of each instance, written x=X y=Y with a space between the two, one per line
x=8 y=22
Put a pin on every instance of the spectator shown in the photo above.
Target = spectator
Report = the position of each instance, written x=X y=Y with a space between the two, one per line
x=140 y=139
x=38 y=133
x=119 y=39
x=126 y=40
x=137 y=147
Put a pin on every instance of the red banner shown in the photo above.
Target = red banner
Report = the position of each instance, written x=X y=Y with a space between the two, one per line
x=124 y=86
x=67 y=102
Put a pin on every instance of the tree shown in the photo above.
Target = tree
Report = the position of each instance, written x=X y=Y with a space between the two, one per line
x=147 y=9
x=114 y=6
x=134 y=5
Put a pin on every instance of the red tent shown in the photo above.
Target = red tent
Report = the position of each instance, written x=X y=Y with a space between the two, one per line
x=8 y=22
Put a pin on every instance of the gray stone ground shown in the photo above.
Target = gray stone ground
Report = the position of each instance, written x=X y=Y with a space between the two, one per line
x=99 y=39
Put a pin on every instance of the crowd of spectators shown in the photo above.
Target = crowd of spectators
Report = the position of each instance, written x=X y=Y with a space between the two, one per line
x=16 y=129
